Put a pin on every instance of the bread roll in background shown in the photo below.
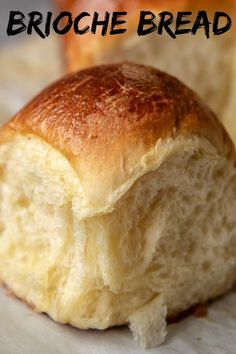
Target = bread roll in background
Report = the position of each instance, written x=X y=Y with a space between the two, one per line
x=206 y=65
x=118 y=200
x=23 y=72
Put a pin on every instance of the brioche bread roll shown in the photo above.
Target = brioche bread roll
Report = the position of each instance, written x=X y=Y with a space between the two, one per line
x=206 y=65
x=118 y=200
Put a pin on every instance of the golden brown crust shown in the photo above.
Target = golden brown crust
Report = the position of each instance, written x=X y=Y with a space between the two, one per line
x=81 y=51
x=107 y=117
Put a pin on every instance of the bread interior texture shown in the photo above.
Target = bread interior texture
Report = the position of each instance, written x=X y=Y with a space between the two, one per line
x=204 y=65
x=172 y=233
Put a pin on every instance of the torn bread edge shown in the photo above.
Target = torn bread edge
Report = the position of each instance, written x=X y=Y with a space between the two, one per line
x=148 y=323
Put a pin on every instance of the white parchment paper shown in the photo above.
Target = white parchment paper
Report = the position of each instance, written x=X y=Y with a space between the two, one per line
x=24 y=70
x=23 y=331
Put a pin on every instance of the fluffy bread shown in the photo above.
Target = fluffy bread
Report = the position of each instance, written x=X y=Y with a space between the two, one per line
x=118 y=199
x=206 y=65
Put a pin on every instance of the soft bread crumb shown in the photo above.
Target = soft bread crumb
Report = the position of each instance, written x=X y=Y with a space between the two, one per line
x=101 y=269
x=148 y=323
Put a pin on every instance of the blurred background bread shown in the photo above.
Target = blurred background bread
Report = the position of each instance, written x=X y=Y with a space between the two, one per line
x=26 y=67
x=123 y=209
x=206 y=65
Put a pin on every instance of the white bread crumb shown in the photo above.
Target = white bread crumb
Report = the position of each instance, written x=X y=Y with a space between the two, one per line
x=148 y=323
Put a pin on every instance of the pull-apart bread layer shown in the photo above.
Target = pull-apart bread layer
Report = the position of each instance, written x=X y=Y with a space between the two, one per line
x=118 y=200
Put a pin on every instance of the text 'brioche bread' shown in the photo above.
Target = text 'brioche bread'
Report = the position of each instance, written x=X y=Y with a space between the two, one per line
x=118 y=200
x=208 y=66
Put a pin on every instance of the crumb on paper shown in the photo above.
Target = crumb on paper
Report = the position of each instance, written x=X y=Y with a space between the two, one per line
x=200 y=311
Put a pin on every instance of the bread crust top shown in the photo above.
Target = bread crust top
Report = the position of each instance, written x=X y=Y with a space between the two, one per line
x=106 y=118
